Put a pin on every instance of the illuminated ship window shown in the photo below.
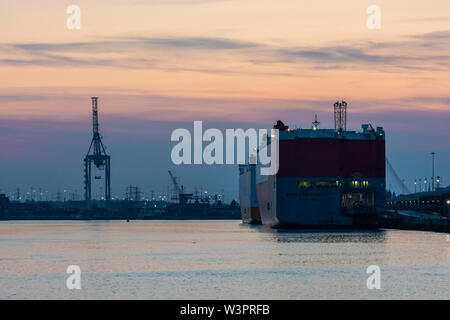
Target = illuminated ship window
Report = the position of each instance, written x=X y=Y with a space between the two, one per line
x=305 y=184
x=327 y=184
x=358 y=184
x=364 y=184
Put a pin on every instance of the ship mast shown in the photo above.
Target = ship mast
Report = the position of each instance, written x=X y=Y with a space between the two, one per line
x=315 y=124
x=340 y=116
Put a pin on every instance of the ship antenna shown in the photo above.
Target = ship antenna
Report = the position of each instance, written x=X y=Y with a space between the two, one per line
x=315 y=124
x=340 y=116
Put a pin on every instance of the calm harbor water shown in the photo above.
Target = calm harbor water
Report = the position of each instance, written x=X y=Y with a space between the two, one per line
x=217 y=260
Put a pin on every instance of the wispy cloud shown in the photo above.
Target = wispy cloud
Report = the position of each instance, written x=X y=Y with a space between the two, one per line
x=178 y=107
x=428 y=19
x=344 y=54
x=434 y=36
x=130 y=43
x=134 y=52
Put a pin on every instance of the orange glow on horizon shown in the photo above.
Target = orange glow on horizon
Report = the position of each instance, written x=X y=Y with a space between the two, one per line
x=221 y=59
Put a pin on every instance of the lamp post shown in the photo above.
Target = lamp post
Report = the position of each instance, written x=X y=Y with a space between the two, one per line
x=432 y=171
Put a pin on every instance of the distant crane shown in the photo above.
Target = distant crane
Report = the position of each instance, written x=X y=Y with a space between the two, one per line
x=133 y=193
x=99 y=157
x=181 y=196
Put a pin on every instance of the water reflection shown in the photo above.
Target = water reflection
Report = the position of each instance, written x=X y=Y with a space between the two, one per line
x=218 y=259
x=327 y=236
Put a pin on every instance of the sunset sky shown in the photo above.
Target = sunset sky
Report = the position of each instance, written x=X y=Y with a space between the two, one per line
x=160 y=64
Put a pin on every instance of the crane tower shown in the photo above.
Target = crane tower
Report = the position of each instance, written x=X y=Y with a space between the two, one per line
x=98 y=157
x=179 y=194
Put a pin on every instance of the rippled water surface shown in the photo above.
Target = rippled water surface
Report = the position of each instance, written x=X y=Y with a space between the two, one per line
x=217 y=260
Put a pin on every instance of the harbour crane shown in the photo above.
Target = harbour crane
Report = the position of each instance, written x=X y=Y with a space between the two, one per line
x=99 y=157
x=181 y=196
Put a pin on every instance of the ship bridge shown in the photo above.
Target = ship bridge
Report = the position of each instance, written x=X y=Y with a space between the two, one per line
x=367 y=133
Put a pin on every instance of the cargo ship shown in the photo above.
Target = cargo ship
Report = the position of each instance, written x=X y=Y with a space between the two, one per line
x=195 y=206
x=327 y=178
x=248 y=198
